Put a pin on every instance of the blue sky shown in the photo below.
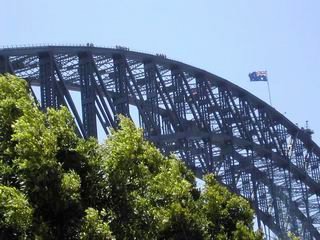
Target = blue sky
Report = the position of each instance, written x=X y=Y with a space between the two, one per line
x=227 y=38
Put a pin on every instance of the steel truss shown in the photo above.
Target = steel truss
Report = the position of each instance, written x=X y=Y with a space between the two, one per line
x=213 y=125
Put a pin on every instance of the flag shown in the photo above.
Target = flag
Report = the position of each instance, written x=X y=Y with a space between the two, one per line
x=258 y=76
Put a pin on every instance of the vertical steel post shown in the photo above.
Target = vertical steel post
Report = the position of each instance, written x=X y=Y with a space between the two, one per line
x=152 y=98
x=178 y=95
x=48 y=89
x=88 y=95
x=4 y=67
x=121 y=100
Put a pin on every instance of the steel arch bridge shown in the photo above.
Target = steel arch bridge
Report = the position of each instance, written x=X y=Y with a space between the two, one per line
x=213 y=125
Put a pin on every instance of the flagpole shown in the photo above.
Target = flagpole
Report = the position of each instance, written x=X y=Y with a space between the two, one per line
x=269 y=92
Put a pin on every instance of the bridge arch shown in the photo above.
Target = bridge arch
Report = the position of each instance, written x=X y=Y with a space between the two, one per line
x=211 y=123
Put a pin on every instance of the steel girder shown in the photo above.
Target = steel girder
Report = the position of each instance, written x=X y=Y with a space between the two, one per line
x=210 y=123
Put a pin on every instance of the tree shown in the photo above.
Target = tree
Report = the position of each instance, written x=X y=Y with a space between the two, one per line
x=70 y=188
x=15 y=212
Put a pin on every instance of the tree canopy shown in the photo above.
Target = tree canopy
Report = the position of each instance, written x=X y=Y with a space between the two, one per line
x=54 y=185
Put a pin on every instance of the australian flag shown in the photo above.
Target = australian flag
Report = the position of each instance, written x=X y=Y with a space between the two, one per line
x=258 y=76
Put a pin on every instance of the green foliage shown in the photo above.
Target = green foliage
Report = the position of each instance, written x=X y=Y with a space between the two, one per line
x=124 y=189
x=70 y=186
x=143 y=186
x=94 y=227
x=292 y=236
x=15 y=213
x=13 y=101
x=221 y=206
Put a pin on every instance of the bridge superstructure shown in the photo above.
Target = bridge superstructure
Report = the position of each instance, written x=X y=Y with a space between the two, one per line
x=213 y=125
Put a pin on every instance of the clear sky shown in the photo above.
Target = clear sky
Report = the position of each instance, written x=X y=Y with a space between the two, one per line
x=229 y=38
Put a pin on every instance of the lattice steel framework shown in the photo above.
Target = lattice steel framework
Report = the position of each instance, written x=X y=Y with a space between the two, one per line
x=210 y=123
